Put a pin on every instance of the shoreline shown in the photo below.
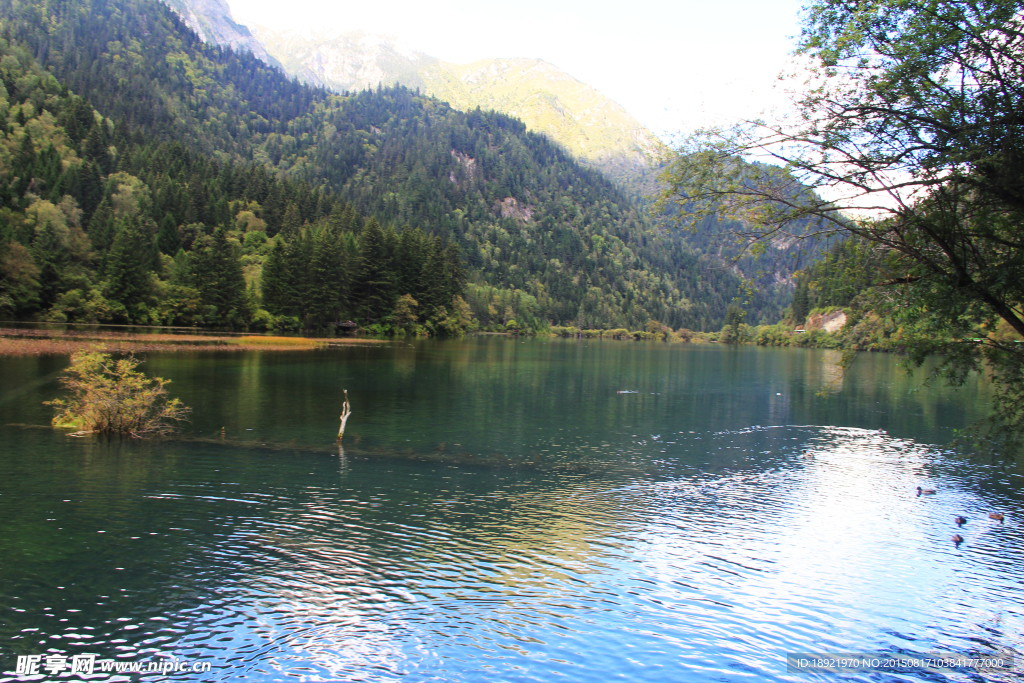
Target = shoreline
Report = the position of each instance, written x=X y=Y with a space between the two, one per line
x=36 y=342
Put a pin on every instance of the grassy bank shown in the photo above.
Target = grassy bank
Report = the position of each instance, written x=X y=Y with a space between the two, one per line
x=23 y=342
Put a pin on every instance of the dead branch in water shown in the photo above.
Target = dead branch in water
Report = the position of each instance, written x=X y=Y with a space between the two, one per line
x=346 y=412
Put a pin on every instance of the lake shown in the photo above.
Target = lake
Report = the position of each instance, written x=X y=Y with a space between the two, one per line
x=509 y=510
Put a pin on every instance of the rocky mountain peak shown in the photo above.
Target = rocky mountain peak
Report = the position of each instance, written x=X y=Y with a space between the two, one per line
x=212 y=20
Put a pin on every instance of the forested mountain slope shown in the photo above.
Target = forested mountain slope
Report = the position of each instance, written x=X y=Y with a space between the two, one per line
x=585 y=122
x=540 y=235
x=100 y=223
x=212 y=20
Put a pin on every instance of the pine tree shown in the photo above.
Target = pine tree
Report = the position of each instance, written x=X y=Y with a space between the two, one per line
x=96 y=150
x=375 y=284
x=336 y=220
x=297 y=255
x=348 y=262
x=273 y=281
x=409 y=262
x=128 y=266
x=455 y=271
x=91 y=189
x=102 y=227
x=351 y=222
x=292 y=222
x=325 y=279
x=435 y=294
x=801 y=302
x=217 y=274
x=50 y=257
x=169 y=237
x=273 y=209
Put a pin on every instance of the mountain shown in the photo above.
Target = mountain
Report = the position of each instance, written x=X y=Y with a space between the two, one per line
x=212 y=20
x=586 y=123
x=593 y=128
x=548 y=100
x=541 y=237
x=346 y=61
x=589 y=125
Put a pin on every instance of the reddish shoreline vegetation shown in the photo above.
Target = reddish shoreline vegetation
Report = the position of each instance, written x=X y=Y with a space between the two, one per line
x=24 y=342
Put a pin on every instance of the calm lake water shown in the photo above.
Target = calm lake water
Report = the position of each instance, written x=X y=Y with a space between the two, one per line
x=509 y=510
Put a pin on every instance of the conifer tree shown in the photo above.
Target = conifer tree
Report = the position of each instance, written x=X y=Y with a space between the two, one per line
x=435 y=279
x=351 y=221
x=169 y=238
x=292 y=222
x=801 y=302
x=455 y=271
x=273 y=281
x=297 y=253
x=128 y=266
x=101 y=227
x=50 y=257
x=217 y=274
x=273 y=209
x=375 y=283
x=336 y=220
x=96 y=150
x=348 y=260
x=325 y=279
x=409 y=262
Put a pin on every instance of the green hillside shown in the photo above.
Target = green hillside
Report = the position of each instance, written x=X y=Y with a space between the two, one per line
x=99 y=223
x=586 y=123
x=591 y=127
x=548 y=100
x=542 y=238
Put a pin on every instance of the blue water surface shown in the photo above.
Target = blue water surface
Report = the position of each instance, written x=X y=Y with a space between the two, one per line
x=511 y=510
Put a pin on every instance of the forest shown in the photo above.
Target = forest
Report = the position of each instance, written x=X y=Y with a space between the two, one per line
x=151 y=178
x=911 y=161
x=101 y=223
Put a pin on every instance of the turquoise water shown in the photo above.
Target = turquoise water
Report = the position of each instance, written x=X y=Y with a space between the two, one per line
x=507 y=510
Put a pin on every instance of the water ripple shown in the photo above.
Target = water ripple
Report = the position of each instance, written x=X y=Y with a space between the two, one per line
x=712 y=566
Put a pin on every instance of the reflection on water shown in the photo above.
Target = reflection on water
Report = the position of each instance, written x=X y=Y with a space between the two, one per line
x=503 y=513
x=833 y=371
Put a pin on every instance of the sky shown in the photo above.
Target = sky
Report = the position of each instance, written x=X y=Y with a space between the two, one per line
x=674 y=66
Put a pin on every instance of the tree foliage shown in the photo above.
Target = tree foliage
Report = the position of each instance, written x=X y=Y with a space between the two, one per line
x=111 y=396
x=910 y=138
x=523 y=215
